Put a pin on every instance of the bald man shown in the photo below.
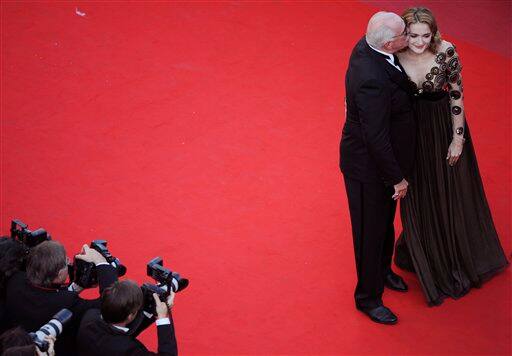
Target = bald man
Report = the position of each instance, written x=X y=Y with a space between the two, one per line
x=376 y=154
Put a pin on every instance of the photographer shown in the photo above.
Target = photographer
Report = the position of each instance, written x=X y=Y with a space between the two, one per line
x=34 y=296
x=17 y=342
x=113 y=329
x=12 y=256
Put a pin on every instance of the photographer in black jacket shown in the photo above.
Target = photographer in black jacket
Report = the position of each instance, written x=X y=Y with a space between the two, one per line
x=17 y=342
x=113 y=329
x=33 y=297
x=12 y=256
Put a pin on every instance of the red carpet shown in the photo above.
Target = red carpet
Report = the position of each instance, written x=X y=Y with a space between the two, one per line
x=207 y=133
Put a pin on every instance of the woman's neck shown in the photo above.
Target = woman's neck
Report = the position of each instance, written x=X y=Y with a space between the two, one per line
x=417 y=56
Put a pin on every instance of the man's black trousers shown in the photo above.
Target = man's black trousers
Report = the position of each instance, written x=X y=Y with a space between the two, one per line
x=372 y=212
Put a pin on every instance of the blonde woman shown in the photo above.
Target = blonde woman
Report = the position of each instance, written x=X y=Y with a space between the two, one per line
x=448 y=237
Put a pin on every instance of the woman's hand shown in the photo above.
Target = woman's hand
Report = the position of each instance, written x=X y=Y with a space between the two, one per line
x=455 y=150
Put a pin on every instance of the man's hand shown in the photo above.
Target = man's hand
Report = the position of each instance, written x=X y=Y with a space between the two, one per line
x=400 y=190
x=170 y=299
x=73 y=287
x=90 y=255
x=454 y=150
x=51 y=350
x=162 y=310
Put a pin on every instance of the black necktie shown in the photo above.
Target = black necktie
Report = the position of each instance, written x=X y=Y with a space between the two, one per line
x=382 y=55
x=397 y=62
x=395 y=58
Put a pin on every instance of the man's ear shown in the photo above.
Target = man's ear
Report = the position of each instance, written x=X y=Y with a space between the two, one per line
x=62 y=276
x=131 y=317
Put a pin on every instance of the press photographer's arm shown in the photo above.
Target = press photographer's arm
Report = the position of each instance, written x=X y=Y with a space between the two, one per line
x=34 y=296
x=165 y=324
x=123 y=315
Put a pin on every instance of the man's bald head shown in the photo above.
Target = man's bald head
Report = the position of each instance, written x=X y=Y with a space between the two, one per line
x=382 y=28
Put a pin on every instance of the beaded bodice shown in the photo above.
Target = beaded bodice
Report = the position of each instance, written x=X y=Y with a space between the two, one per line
x=445 y=75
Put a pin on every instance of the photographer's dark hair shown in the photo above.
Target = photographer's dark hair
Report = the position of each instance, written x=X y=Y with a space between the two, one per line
x=15 y=338
x=12 y=256
x=120 y=300
x=44 y=263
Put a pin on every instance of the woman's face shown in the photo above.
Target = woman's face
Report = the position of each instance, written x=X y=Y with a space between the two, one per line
x=420 y=37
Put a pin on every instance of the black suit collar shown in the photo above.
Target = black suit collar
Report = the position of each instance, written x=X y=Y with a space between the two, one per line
x=383 y=54
x=399 y=78
x=132 y=327
x=111 y=329
x=395 y=75
x=397 y=62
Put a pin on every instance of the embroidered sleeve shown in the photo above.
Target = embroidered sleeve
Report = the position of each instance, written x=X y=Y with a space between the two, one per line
x=454 y=79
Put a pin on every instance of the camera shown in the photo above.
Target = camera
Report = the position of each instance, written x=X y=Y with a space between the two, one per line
x=52 y=328
x=157 y=271
x=148 y=289
x=166 y=281
x=20 y=232
x=84 y=273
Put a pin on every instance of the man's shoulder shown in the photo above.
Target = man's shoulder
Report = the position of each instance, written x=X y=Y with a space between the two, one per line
x=363 y=52
x=361 y=44
x=111 y=343
x=366 y=71
x=92 y=327
x=96 y=334
x=364 y=65
x=17 y=278
x=19 y=290
x=91 y=316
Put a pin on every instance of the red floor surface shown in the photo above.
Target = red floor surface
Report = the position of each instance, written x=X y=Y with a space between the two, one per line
x=207 y=133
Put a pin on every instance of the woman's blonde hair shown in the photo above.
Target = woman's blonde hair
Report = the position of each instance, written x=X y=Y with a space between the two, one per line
x=424 y=15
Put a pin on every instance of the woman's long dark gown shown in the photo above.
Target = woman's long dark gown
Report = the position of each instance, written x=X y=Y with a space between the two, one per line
x=448 y=239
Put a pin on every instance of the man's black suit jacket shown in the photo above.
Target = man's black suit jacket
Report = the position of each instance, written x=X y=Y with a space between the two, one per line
x=378 y=137
x=31 y=307
x=97 y=338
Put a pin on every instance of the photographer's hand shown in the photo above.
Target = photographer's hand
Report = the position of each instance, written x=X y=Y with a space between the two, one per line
x=170 y=300
x=51 y=350
x=162 y=310
x=91 y=255
x=73 y=287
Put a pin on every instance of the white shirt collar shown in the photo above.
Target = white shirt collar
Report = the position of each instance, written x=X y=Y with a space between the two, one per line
x=122 y=328
x=389 y=55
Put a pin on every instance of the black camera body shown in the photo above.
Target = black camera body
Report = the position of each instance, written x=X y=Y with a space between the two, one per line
x=167 y=281
x=52 y=328
x=148 y=289
x=164 y=276
x=29 y=239
x=84 y=273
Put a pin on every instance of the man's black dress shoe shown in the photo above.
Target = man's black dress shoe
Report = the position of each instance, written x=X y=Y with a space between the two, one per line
x=395 y=282
x=380 y=315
